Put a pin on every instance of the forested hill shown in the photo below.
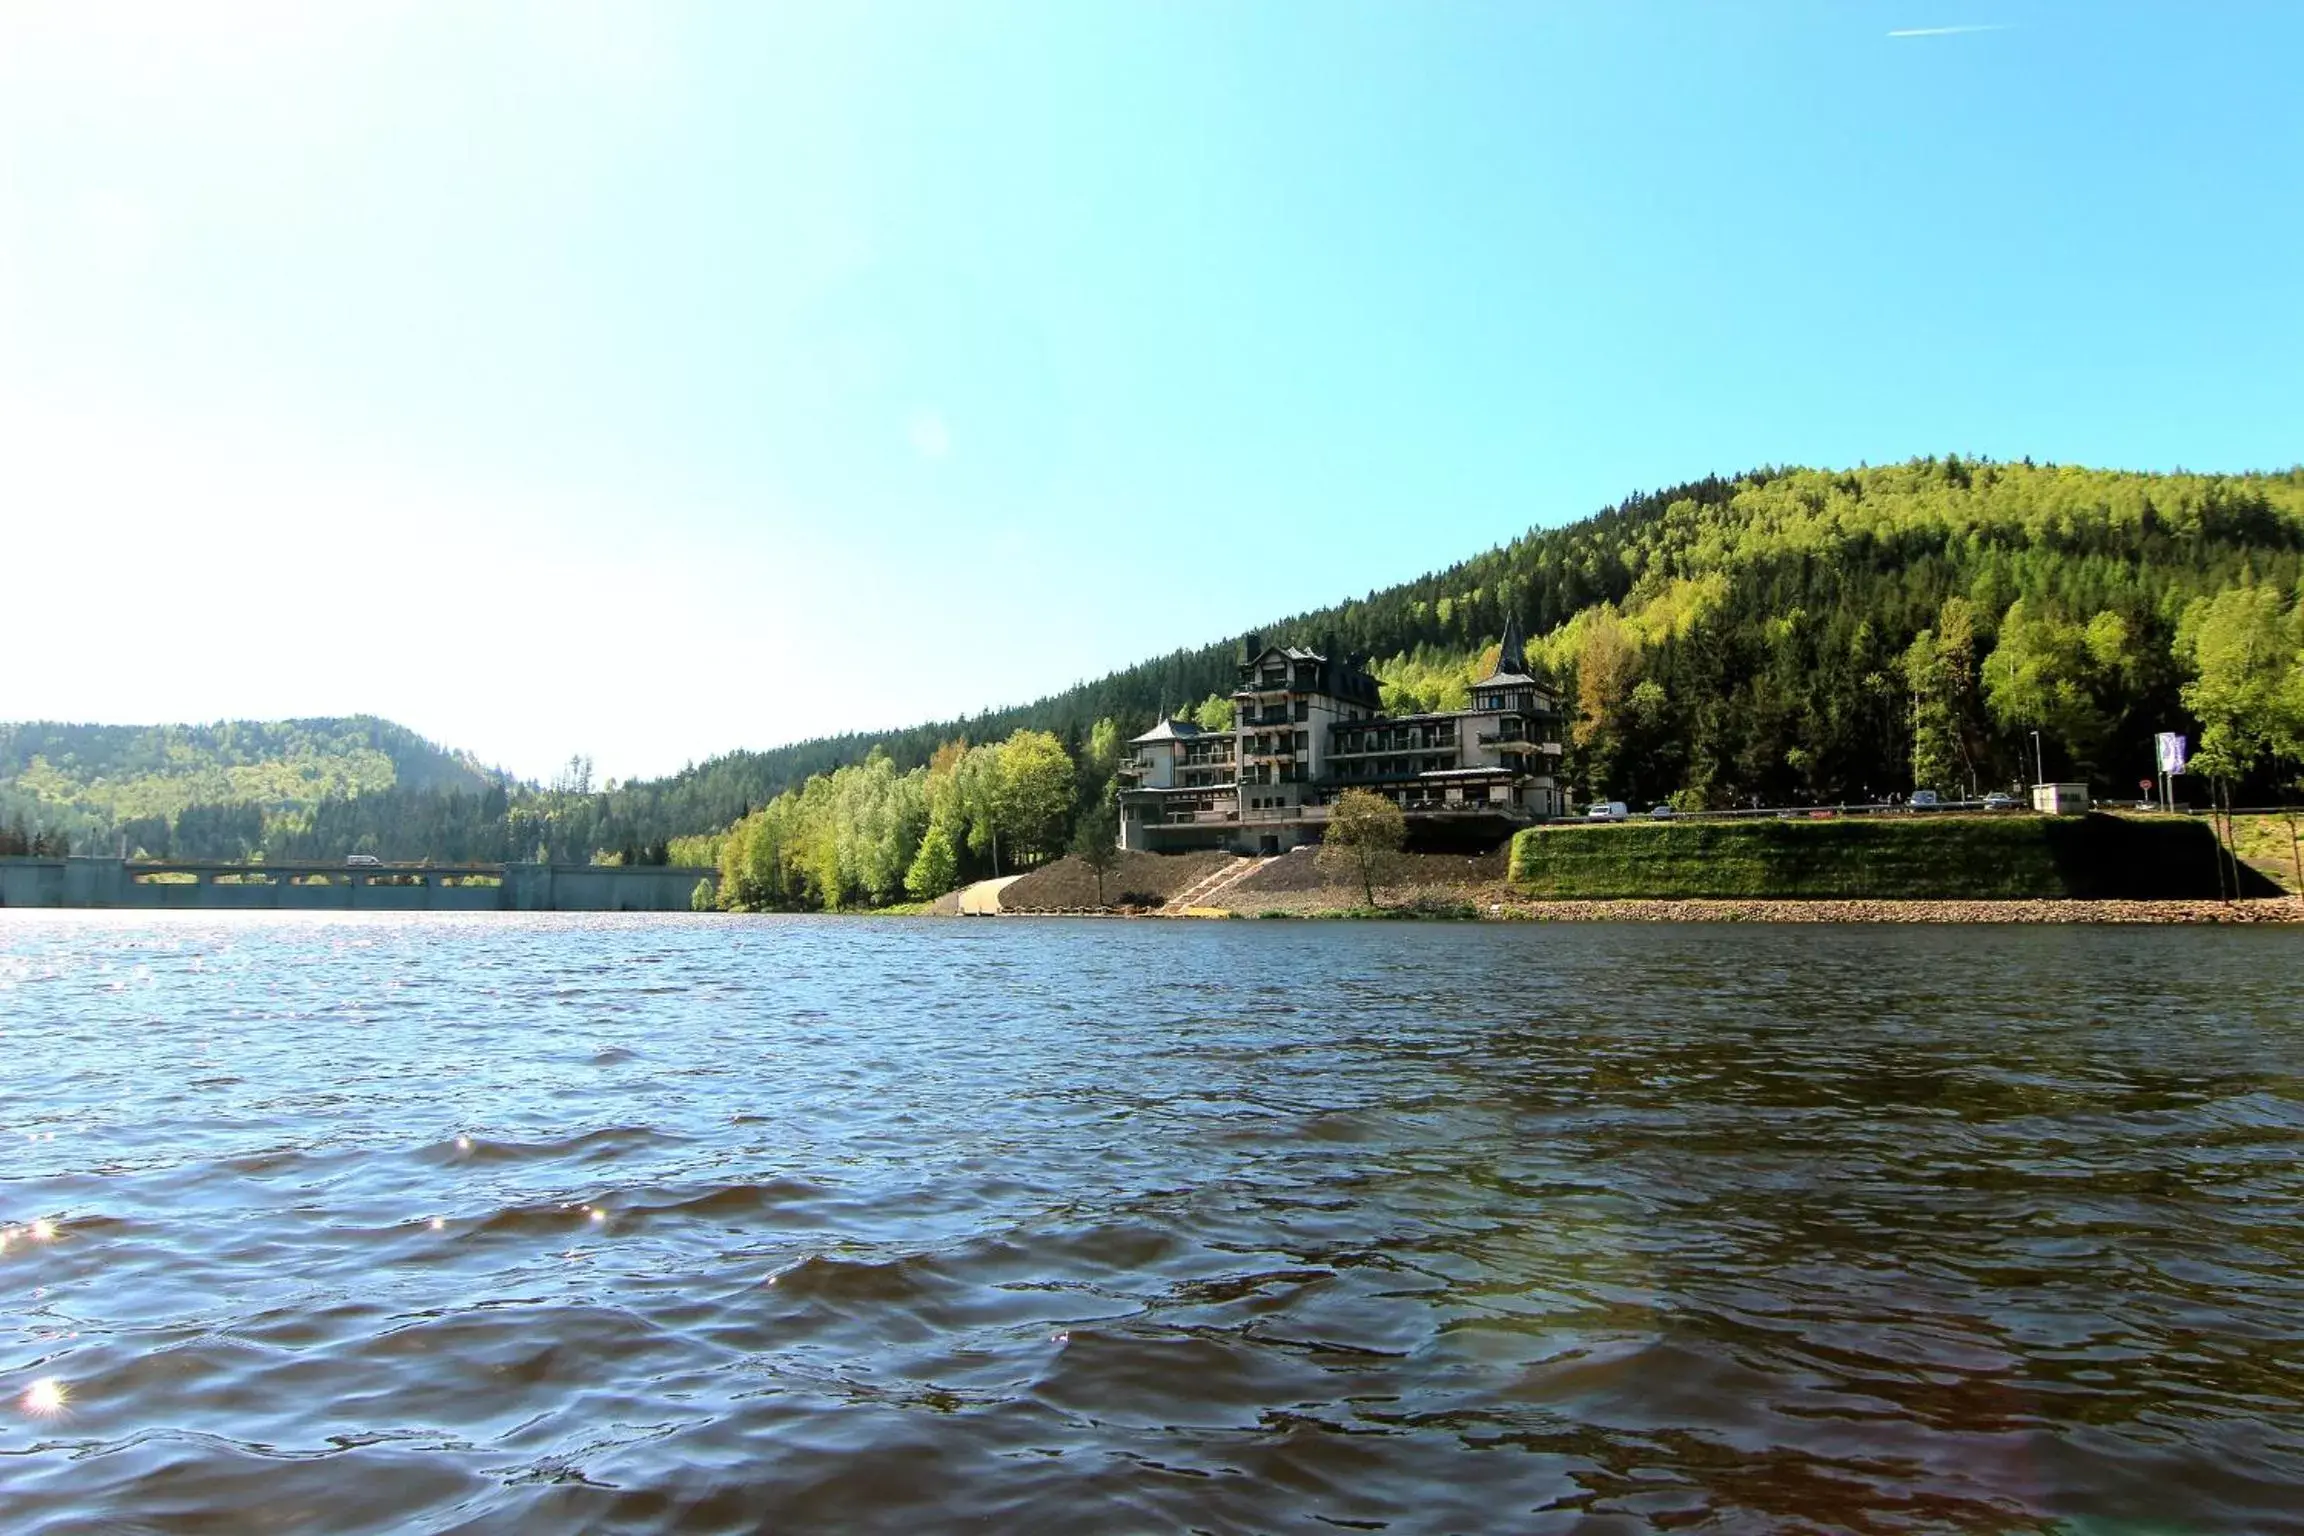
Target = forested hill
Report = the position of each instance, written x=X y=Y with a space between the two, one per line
x=1787 y=634
x=1751 y=636
x=94 y=782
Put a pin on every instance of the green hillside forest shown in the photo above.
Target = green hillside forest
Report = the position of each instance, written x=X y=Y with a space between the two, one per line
x=224 y=790
x=1787 y=635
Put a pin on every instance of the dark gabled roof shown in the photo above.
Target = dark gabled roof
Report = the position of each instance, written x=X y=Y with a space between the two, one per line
x=1286 y=653
x=1344 y=678
x=1169 y=730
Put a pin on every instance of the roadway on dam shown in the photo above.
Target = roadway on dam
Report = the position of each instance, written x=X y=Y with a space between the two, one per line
x=192 y=885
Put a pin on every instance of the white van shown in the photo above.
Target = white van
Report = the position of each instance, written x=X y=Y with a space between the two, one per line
x=1608 y=810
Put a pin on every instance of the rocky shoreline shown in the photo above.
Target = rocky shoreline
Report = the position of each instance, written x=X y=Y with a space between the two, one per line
x=1500 y=903
x=2283 y=909
x=1473 y=888
x=1495 y=907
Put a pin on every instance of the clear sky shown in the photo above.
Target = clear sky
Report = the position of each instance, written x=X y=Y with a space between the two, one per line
x=653 y=381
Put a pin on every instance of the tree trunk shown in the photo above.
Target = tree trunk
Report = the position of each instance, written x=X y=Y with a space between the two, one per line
x=2232 y=841
x=2215 y=837
x=2223 y=804
x=2295 y=853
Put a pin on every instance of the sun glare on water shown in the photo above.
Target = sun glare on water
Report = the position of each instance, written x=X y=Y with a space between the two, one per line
x=40 y=1231
x=44 y=1398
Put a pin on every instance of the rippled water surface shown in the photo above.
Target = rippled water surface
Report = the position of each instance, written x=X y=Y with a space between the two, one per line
x=495 y=1224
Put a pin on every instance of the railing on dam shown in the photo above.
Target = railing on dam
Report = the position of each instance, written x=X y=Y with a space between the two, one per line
x=349 y=887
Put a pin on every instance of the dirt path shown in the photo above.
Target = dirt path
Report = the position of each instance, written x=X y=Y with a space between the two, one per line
x=983 y=898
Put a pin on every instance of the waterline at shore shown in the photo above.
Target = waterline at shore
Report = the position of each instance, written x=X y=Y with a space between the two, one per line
x=1490 y=906
x=2285 y=909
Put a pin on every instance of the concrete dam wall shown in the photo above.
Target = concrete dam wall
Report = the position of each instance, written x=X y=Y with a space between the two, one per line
x=336 y=887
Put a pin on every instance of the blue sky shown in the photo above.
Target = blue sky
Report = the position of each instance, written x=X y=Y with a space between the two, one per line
x=652 y=381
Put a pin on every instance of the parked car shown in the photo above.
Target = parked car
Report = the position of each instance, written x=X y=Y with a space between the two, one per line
x=1662 y=812
x=1608 y=810
x=1924 y=800
x=362 y=861
x=1999 y=800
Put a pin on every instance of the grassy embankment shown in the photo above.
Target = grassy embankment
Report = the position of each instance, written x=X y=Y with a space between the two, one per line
x=2269 y=844
x=1923 y=858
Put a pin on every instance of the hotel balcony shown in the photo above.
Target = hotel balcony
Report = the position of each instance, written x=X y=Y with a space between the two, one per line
x=1285 y=813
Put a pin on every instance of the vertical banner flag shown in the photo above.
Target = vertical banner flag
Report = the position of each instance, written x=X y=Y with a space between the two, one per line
x=2171 y=752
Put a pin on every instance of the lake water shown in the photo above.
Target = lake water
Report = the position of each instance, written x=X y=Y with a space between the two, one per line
x=494 y=1224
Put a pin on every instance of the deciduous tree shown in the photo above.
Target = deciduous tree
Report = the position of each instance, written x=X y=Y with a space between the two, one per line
x=1035 y=790
x=936 y=868
x=1366 y=832
x=1096 y=839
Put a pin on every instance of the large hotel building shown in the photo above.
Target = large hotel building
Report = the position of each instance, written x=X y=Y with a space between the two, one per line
x=1307 y=727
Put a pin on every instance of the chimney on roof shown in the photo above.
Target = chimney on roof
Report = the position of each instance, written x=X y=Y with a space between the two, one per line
x=1251 y=647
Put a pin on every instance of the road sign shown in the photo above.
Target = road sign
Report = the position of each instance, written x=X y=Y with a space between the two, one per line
x=2171 y=752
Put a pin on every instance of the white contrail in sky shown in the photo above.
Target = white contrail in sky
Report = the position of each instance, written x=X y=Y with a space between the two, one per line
x=1997 y=26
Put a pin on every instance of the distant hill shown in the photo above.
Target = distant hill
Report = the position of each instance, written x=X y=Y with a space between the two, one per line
x=92 y=780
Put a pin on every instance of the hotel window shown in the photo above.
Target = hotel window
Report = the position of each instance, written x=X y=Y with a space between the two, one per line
x=1303 y=709
x=1303 y=739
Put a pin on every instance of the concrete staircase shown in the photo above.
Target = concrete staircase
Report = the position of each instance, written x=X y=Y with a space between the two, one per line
x=1210 y=886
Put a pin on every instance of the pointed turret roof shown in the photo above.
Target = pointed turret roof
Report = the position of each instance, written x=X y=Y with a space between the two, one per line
x=1511 y=657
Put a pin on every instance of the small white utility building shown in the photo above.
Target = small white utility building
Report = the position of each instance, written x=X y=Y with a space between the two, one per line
x=2060 y=799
